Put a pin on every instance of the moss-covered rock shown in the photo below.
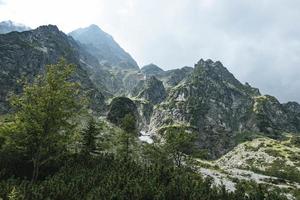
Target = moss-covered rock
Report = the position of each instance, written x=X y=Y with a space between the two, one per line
x=119 y=108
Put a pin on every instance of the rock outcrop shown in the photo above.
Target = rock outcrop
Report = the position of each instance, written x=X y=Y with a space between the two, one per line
x=151 y=90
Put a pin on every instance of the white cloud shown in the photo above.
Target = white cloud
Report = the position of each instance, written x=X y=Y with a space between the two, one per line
x=258 y=40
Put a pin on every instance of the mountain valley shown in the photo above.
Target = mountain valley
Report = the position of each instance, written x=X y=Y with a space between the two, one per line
x=239 y=132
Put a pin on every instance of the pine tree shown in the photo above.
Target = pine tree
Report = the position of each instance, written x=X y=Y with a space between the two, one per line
x=89 y=137
x=126 y=138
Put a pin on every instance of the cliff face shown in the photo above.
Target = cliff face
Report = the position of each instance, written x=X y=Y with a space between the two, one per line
x=104 y=47
x=151 y=90
x=24 y=55
x=115 y=69
x=214 y=103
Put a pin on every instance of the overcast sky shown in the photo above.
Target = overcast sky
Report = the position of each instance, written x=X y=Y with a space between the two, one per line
x=257 y=40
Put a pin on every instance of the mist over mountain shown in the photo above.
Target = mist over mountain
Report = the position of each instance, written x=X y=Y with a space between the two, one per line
x=103 y=47
x=9 y=26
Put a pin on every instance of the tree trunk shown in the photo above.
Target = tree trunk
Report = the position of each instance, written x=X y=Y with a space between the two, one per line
x=127 y=148
x=35 y=171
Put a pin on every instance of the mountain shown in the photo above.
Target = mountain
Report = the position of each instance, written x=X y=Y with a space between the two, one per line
x=152 y=70
x=104 y=47
x=241 y=133
x=206 y=99
x=9 y=26
x=213 y=103
x=170 y=78
x=151 y=90
x=24 y=55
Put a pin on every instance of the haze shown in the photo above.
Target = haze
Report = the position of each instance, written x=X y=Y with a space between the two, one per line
x=257 y=40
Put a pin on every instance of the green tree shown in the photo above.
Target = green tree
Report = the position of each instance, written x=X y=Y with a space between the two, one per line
x=179 y=143
x=126 y=138
x=89 y=137
x=14 y=195
x=45 y=114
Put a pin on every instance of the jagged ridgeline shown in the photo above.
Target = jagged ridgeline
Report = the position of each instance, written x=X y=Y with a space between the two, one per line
x=212 y=102
x=206 y=99
x=23 y=55
x=149 y=129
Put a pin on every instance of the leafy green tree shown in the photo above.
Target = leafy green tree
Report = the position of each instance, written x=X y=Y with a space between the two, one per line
x=45 y=114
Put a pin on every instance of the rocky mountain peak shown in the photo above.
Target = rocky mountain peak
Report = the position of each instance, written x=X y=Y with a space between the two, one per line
x=94 y=27
x=211 y=67
x=25 y=54
x=216 y=73
x=95 y=33
x=48 y=29
x=102 y=46
x=151 y=70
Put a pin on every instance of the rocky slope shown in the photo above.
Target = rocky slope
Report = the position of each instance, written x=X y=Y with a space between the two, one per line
x=212 y=102
x=263 y=160
x=170 y=78
x=117 y=71
x=152 y=70
x=103 y=47
x=24 y=55
x=9 y=26
x=151 y=90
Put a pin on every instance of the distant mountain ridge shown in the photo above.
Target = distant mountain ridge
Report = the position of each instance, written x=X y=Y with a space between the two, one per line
x=9 y=26
x=206 y=99
x=104 y=47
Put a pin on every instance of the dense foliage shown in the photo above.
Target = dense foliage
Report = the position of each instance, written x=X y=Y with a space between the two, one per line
x=39 y=156
x=106 y=177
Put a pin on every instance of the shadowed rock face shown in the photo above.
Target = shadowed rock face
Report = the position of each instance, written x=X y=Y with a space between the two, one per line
x=104 y=48
x=293 y=110
x=215 y=104
x=25 y=55
x=151 y=90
